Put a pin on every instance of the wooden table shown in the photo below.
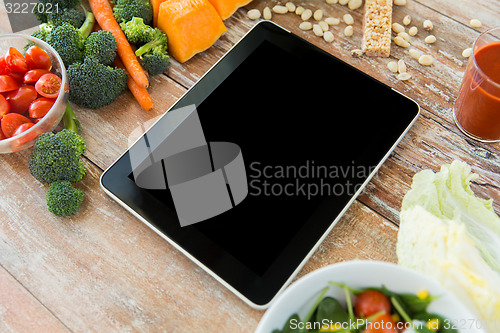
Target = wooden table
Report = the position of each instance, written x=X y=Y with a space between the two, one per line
x=102 y=270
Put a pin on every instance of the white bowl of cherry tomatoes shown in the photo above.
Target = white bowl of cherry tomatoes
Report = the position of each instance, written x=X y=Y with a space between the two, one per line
x=33 y=91
x=368 y=297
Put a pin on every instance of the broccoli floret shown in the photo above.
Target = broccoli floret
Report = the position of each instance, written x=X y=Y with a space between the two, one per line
x=102 y=45
x=155 y=62
x=44 y=8
x=153 y=55
x=67 y=40
x=56 y=157
x=73 y=16
x=137 y=32
x=63 y=199
x=125 y=10
x=92 y=84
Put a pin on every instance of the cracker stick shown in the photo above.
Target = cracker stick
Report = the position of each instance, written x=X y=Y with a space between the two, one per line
x=377 y=28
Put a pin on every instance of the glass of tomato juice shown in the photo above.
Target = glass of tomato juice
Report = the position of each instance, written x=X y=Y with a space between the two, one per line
x=477 y=109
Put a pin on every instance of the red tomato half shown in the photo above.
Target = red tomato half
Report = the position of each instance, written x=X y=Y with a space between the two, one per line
x=23 y=128
x=15 y=61
x=381 y=324
x=3 y=67
x=10 y=122
x=33 y=75
x=40 y=107
x=4 y=106
x=7 y=83
x=36 y=58
x=370 y=302
x=20 y=99
x=48 y=85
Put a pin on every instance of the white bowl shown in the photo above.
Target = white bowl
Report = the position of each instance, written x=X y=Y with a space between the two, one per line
x=300 y=296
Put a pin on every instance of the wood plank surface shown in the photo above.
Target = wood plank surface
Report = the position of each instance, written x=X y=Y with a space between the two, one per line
x=21 y=312
x=102 y=270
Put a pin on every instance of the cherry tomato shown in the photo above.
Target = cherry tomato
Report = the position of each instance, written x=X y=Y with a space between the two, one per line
x=40 y=107
x=381 y=324
x=33 y=75
x=370 y=302
x=2 y=136
x=48 y=85
x=10 y=122
x=15 y=61
x=22 y=128
x=4 y=106
x=20 y=99
x=7 y=83
x=36 y=58
x=3 y=67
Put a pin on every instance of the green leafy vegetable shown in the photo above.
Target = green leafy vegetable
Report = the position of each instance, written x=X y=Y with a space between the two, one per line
x=63 y=199
x=101 y=45
x=449 y=233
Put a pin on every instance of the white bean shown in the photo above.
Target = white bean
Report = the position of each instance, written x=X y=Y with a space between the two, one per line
x=400 y=41
x=253 y=14
x=317 y=30
x=291 y=7
x=392 y=66
x=400 y=2
x=348 y=19
x=278 y=9
x=397 y=28
x=428 y=25
x=349 y=31
x=266 y=13
x=467 y=52
x=299 y=10
x=328 y=36
x=404 y=76
x=343 y=2
x=323 y=25
x=318 y=15
x=414 y=53
x=401 y=66
x=354 y=4
x=425 y=60
x=306 y=26
x=306 y=15
x=405 y=36
x=413 y=31
x=332 y=21
x=430 y=39
x=407 y=20
x=332 y=1
x=475 y=23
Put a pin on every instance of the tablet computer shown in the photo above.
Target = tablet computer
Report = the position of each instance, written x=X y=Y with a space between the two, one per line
x=252 y=167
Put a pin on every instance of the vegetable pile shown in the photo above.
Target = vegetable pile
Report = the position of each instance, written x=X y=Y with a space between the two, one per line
x=449 y=233
x=372 y=310
x=27 y=89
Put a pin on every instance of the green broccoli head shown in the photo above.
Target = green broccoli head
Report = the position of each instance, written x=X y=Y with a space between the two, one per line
x=46 y=7
x=92 y=84
x=56 y=157
x=125 y=10
x=102 y=45
x=67 y=41
x=137 y=32
x=63 y=199
x=73 y=16
x=155 y=62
